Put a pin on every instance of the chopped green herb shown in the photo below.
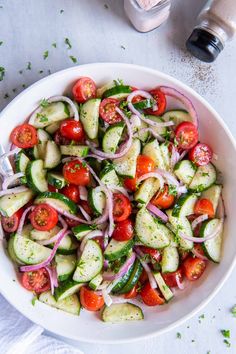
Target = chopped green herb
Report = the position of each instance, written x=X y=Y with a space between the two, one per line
x=67 y=42
x=225 y=333
x=14 y=89
x=54 y=45
x=205 y=174
x=45 y=54
x=44 y=103
x=73 y=58
x=40 y=71
x=233 y=310
x=1 y=43
x=61 y=11
x=28 y=66
x=122 y=47
x=227 y=343
x=20 y=72
x=24 y=85
x=106 y=6
x=34 y=300
x=2 y=73
x=192 y=340
x=6 y=96
x=49 y=72
x=118 y=82
x=172 y=190
x=42 y=118
x=178 y=335
x=209 y=352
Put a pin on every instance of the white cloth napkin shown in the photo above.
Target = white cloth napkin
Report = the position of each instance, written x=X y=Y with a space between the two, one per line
x=18 y=335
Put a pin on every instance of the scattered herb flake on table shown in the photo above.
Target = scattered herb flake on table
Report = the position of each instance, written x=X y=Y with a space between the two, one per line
x=1 y=43
x=68 y=43
x=225 y=333
x=45 y=54
x=74 y=59
x=29 y=66
x=2 y=73
x=122 y=47
x=178 y=335
x=61 y=11
x=228 y=344
x=233 y=310
x=106 y=6
x=54 y=45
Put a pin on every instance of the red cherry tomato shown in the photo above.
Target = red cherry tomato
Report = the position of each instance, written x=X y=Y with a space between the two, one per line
x=84 y=89
x=193 y=268
x=61 y=140
x=108 y=112
x=132 y=293
x=90 y=300
x=130 y=183
x=144 y=165
x=72 y=223
x=137 y=99
x=52 y=188
x=121 y=207
x=163 y=199
x=186 y=135
x=75 y=172
x=155 y=254
x=198 y=248
x=37 y=280
x=151 y=297
x=123 y=231
x=196 y=230
x=143 y=277
x=160 y=99
x=204 y=206
x=10 y=224
x=170 y=278
x=71 y=191
x=24 y=136
x=44 y=217
x=201 y=154
x=72 y=129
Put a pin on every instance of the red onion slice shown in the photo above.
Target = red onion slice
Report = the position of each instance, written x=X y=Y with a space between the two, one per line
x=90 y=235
x=9 y=180
x=107 y=299
x=199 y=255
x=53 y=278
x=123 y=270
x=73 y=109
x=180 y=284
x=52 y=239
x=83 y=193
x=198 y=220
x=169 y=177
x=174 y=156
x=15 y=190
x=157 y=212
x=182 y=155
x=152 y=175
x=4 y=156
x=120 y=189
x=146 y=267
x=22 y=219
x=85 y=214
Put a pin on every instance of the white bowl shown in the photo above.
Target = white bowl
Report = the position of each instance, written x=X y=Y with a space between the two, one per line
x=157 y=320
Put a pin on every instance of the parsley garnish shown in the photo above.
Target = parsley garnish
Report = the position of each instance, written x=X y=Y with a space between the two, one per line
x=67 y=41
x=28 y=66
x=118 y=82
x=45 y=54
x=1 y=43
x=106 y=6
x=40 y=71
x=227 y=343
x=42 y=118
x=14 y=90
x=61 y=11
x=178 y=335
x=233 y=310
x=122 y=47
x=225 y=333
x=54 y=45
x=44 y=103
x=24 y=85
x=34 y=300
x=205 y=174
x=2 y=73
x=6 y=96
x=20 y=72
x=73 y=58
x=172 y=190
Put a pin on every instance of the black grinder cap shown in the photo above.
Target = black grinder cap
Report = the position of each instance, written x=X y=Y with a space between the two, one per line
x=204 y=45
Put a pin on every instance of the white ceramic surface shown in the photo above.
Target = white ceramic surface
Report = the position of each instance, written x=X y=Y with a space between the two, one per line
x=187 y=303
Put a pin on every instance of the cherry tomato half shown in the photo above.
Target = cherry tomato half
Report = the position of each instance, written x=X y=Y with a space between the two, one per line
x=10 y=224
x=201 y=154
x=61 y=140
x=193 y=267
x=186 y=135
x=154 y=254
x=37 y=280
x=132 y=293
x=151 y=297
x=71 y=191
x=24 y=136
x=198 y=248
x=170 y=278
x=130 y=183
x=44 y=217
x=163 y=199
x=160 y=99
x=84 y=89
x=204 y=206
x=52 y=188
x=144 y=165
x=75 y=172
x=90 y=300
x=121 y=207
x=72 y=129
x=107 y=110
x=123 y=231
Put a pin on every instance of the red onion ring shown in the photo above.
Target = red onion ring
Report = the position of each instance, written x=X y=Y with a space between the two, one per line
x=123 y=270
x=174 y=156
x=146 y=267
x=52 y=239
x=198 y=220
x=180 y=284
x=152 y=131
x=157 y=212
x=83 y=193
x=182 y=155
x=152 y=175
x=85 y=214
x=90 y=235
x=169 y=177
x=199 y=255
x=15 y=190
x=10 y=179
x=107 y=299
x=52 y=277
x=22 y=219
x=120 y=189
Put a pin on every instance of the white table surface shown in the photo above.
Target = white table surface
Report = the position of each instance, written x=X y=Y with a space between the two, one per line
x=29 y=27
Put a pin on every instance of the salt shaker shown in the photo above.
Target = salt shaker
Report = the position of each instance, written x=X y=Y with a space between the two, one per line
x=146 y=15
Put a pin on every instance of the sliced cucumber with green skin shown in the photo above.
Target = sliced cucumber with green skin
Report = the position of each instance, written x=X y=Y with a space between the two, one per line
x=126 y=165
x=144 y=104
x=166 y=156
x=37 y=235
x=41 y=150
x=112 y=137
x=97 y=200
x=43 y=135
x=26 y=231
x=56 y=179
x=212 y=247
x=54 y=112
x=139 y=128
x=133 y=279
x=52 y=128
x=123 y=280
x=102 y=89
x=89 y=116
x=185 y=171
x=11 y=251
x=165 y=290
x=150 y=232
x=67 y=246
x=119 y=92
x=29 y=252
x=96 y=281
x=122 y=312
x=65 y=289
x=147 y=190
x=117 y=249
x=204 y=178
x=170 y=260
x=21 y=162
x=177 y=116
x=213 y=194
x=9 y=204
x=52 y=155
x=185 y=205
x=152 y=149
x=109 y=177
x=57 y=200
x=65 y=266
x=90 y=263
x=36 y=176
x=159 y=130
x=70 y=304
x=81 y=230
x=74 y=150
x=183 y=225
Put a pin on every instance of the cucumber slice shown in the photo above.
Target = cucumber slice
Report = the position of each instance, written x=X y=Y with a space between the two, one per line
x=36 y=176
x=117 y=249
x=43 y=135
x=21 y=162
x=96 y=281
x=52 y=155
x=29 y=252
x=126 y=165
x=74 y=150
x=81 y=230
x=118 y=91
x=9 y=204
x=65 y=289
x=184 y=205
x=109 y=177
x=147 y=190
x=133 y=279
x=212 y=247
x=185 y=171
x=11 y=251
x=56 y=179
x=150 y=232
x=165 y=290
x=112 y=137
x=164 y=148
x=102 y=89
x=90 y=263
x=123 y=280
x=67 y=246
x=52 y=128
x=37 y=235
x=97 y=200
x=170 y=260
x=57 y=200
x=65 y=266
x=159 y=130
x=122 y=312
x=213 y=194
x=89 y=116
x=138 y=126
x=144 y=104
x=177 y=116
x=204 y=178
x=152 y=149
x=41 y=150
x=183 y=225
x=70 y=304
x=26 y=231
x=54 y=112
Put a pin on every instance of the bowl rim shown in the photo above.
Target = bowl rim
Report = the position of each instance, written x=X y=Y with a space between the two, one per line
x=221 y=122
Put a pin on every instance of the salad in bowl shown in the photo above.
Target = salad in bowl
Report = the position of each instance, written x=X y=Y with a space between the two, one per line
x=113 y=203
